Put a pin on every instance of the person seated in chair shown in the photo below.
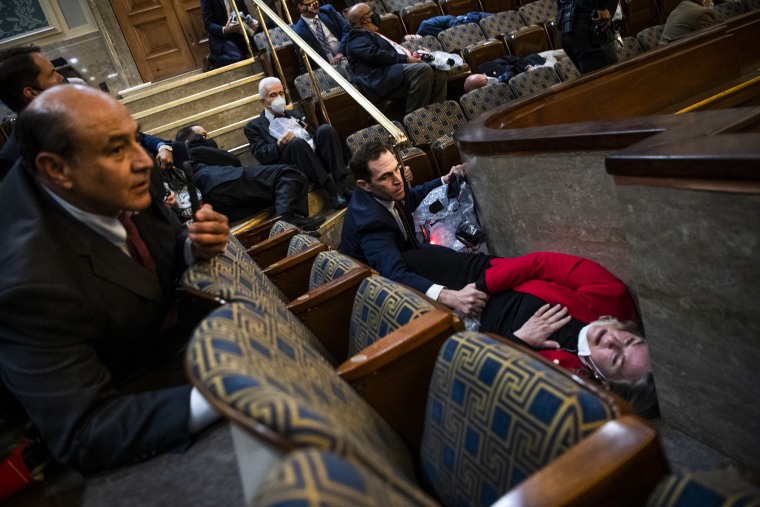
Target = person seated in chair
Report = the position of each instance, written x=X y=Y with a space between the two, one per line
x=324 y=29
x=317 y=153
x=688 y=16
x=386 y=70
x=241 y=191
x=225 y=38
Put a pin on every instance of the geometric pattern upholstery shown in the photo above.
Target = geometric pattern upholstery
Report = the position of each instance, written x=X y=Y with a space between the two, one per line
x=454 y=40
x=249 y=360
x=328 y=266
x=533 y=81
x=325 y=83
x=372 y=133
x=380 y=307
x=441 y=144
x=479 y=100
x=629 y=49
x=279 y=227
x=538 y=12
x=649 y=38
x=301 y=242
x=494 y=416
x=278 y=36
x=426 y=124
x=317 y=478
x=702 y=489
x=567 y=71
x=728 y=10
x=501 y=23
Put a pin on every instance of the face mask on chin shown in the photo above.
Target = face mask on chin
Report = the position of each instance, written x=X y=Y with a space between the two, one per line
x=278 y=105
x=375 y=17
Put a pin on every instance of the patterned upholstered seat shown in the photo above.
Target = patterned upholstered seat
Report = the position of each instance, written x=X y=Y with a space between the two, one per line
x=454 y=40
x=566 y=69
x=325 y=83
x=313 y=477
x=479 y=100
x=428 y=123
x=728 y=10
x=533 y=81
x=630 y=48
x=501 y=23
x=329 y=266
x=301 y=242
x=372 y=133
x=538 y=12
x=280 y=226
x=649 y=38
x=246 y=359
x=380 y=307
x=278 y=36
x=706 y=488
x=496 y=415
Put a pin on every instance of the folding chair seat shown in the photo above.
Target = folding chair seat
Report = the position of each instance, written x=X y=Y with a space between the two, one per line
x=459 y=7
x=454 y=40
x=528 y=40
x=325 y=83
x=566 y=69
x=728 y=10
x=431 y=122
x=628 y=49
x=413 y=15
x=480 y=100
x=751 y=5
x=649 y=38
x=500 y=25
x=533 y=81
x=538 y=12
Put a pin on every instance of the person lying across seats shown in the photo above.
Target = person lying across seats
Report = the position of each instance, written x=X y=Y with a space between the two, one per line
x=277 y=136
x=502 y=69
x=436 y=24
x=241 y=191
x=90 y=261
x=386 y=70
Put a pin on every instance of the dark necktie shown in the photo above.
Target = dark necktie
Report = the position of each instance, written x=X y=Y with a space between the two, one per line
x=136 y=245
x=410 y=236
x=322 y=38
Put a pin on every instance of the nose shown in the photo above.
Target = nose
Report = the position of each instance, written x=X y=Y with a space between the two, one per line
x=611 y=340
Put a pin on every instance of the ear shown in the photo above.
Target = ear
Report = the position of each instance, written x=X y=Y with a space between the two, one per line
x=363 y=185
x=53 y=169
x=30 y=93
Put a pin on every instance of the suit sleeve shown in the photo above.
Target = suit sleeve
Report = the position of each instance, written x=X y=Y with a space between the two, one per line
x=366 y=49
x=343 y=28
x=210 y=23
x=265 y=151
x=68 y=392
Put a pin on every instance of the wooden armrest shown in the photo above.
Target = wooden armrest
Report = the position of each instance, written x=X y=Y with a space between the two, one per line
x=291 y=273
x=271 y=250
x=393 y=374
x=326 y=310
x=618 y=464
x=257 y=233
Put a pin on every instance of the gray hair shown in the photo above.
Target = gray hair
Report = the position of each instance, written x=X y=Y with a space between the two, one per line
x=265 y=83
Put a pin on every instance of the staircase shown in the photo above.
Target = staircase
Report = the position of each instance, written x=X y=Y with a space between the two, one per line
x=222 y=101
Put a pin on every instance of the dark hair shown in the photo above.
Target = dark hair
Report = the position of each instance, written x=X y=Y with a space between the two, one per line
x=184 y=133
x=367 y=152
x=41 y=129
x=17 y=71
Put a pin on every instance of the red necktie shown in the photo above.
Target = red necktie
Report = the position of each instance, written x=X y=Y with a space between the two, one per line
x=136 y=245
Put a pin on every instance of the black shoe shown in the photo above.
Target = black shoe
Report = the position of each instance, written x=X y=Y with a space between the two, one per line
x=337 y=201
x=348 y=193
x=305 y=223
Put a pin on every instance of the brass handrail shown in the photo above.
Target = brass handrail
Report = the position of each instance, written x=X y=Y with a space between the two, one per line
x=244 y=31
x=398 y=134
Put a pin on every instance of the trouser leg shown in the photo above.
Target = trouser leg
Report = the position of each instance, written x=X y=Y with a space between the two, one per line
x=283 y=184
x=330 y=151
x=418 y=80
x=439 y=87
x=298 y=153
x=584 y=54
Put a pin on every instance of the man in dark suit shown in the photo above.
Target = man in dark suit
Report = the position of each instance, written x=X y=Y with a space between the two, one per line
x=225 y=38
x=587 y=35
x=238 y=191
x=88 y=269
x=386 y=70
x=321 y=161
x=324 y=29
x=377 y=226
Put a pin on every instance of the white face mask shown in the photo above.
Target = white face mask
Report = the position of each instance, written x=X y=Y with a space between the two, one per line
x=491 y=80
x=278 y=105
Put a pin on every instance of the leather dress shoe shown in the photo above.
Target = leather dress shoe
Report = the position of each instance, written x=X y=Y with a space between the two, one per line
x=337 y=201
x=304 y=222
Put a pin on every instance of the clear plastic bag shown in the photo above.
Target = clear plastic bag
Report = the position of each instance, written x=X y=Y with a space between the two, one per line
x=280 y=126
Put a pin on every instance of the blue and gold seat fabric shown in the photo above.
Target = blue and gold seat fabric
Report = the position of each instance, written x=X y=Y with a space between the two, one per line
x=717 y=488
x=495 y=415
x=430 y=122
x=280 y=226
x=380 y=307
x=528 y=83
x=301 y=242
x=316 y=478
x=329 y=266
x=477 y=101
x=249 y=360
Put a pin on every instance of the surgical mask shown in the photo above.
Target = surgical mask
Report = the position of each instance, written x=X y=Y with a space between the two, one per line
x=491 y=80
x=584 y=353
x=278 y=105
x=375 y=17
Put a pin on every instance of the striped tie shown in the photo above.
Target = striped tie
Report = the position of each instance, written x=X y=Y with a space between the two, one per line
x=322 y=38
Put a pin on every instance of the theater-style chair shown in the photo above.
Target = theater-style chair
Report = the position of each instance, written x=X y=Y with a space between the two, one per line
x=566 y=69
x=751 y=5
x=432 y=123
x=476 y=102
x=629 y=49
x=538 y=12
x=649 y=38
x=269 y=242
x=286 y=53
x=483 y=52
x=497 y=6
x=413 y=15
x=459 y=7
x=488 y=402
x=533 y=81
x=500 y=25
x=457 y=73
x=291 y=273
x=422 y=167
x=454 y=40
x=728 y=10
x=391 y=25
x=527 y=40
x=704 y=488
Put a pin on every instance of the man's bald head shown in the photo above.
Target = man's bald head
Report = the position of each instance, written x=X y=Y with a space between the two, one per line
x=474 y=81
x=356 y=14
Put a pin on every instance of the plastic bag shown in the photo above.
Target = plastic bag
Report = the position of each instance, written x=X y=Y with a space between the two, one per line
x=280 y=126
x=441 y=59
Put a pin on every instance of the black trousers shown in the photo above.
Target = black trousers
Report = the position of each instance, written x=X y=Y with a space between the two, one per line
x=579 y=47
x=319 y=164
x=260 y=187
x=447 y=267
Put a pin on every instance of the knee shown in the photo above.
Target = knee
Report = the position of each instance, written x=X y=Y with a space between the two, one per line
x=297 y=145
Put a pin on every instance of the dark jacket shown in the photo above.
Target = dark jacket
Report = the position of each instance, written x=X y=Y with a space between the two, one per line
x=375 y=63
x=334 y=22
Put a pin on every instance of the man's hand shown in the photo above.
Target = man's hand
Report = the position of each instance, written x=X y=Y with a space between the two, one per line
x=208 y=233
x=457 y=169
x=336 y=59
x=413 y=59
x=231 y=27
x=286 y=138
x=602 y=18
x=408 y=176
x=468 y=302
x=537 y=329
x=164 y=159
